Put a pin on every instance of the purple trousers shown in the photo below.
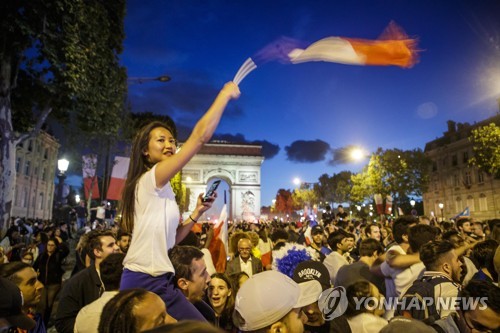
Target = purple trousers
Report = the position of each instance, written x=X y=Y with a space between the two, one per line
x=164 y=286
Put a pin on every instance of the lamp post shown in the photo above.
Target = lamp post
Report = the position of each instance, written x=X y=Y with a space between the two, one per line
x=62 y=165
x=412 y=204
x=441 y=206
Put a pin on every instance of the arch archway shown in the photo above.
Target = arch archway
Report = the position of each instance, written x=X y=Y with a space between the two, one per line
x=239 y=165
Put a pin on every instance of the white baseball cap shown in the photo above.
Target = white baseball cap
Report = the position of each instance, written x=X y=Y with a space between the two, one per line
x=269 y=296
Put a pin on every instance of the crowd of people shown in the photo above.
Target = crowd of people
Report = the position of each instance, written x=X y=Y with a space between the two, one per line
x=264 y=279
x=149 y=272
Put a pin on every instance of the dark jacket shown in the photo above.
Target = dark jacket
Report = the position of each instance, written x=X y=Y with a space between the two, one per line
x=50 y=267
x=82 y=289
x=234 y=266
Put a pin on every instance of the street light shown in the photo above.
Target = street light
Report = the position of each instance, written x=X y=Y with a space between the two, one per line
x=62 y=166
x=441 y=206
x=413 y=211
x=297 y=181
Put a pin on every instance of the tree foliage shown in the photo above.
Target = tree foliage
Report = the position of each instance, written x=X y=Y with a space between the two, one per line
x=392 y=172
x=59 y=59
x=336 y=188
x=304 y=197
x=284 y=202
x=486 y=146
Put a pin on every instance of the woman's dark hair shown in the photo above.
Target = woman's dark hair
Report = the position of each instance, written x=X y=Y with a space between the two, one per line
x=227 y=313
x=235 y=281
x=118 y=314
x=139 y=164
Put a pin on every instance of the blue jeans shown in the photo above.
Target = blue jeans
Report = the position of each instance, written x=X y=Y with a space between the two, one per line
x=177 y=304
x=80 y=222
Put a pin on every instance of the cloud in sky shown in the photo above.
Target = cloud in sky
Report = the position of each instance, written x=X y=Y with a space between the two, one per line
x=307 y=151
x=184 y=100
x=269 y=149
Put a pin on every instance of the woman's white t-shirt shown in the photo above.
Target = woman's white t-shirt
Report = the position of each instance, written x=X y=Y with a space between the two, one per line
x=156 y=219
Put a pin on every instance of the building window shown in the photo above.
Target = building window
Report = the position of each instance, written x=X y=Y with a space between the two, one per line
x=16 y=196
x=27 y=166
x=458 y=204
x=41 y=200
x=24 y=200
x=44 y=174
x=454 y=160
x=483 y=202
x=434 y=166
x=466 y=157
x=480 y=177
x=467 y=178
x=445 y=161
x=30 y=145
x=46 y=153
x=470 y=203
x=456 y=180
x=18 y=164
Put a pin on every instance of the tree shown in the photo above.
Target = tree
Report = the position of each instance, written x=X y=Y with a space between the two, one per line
x=304 y=196
x=284 y=202
x=486 y=146
x=58 y=60
x=336 y=188
x=392 y=172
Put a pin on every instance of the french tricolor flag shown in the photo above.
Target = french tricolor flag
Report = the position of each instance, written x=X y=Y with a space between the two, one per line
x=90 y=183
x=392 y=48
x=118 y=177
x=219 y=246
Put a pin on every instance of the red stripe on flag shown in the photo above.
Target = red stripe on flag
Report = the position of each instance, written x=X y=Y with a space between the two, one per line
x=87 y=184
x=217 y=250
x=116 y=186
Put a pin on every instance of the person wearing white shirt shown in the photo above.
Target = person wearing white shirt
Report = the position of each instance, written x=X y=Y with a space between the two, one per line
x=340 y=244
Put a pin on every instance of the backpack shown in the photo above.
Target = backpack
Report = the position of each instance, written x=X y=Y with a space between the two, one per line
x=412 y=305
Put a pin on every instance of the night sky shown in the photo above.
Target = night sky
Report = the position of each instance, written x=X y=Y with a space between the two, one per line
x=202 y=44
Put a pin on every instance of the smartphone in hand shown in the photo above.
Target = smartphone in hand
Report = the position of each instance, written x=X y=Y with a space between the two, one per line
x=211 y=190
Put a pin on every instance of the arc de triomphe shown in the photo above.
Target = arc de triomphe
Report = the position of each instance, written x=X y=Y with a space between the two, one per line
x=239 y=165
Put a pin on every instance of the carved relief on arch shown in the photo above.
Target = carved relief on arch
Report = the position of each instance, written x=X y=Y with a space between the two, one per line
x=248 y=177
x=228 y=175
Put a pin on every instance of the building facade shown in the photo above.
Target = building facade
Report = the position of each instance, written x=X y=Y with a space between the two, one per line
x=453 y=182
x=36 y=162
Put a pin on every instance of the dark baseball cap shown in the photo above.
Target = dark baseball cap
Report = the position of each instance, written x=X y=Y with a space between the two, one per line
x=317 y=229
x=312 y=270
x=11 y=306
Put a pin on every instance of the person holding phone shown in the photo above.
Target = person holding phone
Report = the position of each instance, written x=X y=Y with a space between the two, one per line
x=149 y=209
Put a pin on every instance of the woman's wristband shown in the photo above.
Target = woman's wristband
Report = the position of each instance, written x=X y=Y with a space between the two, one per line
x=188 y=221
